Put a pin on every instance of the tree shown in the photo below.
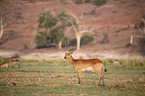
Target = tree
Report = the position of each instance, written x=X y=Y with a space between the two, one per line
x=8 y=14
x=141 y=38
x=75 y=23
x=52 y=27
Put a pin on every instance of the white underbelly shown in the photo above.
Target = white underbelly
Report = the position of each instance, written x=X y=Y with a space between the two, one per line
x=88 y=69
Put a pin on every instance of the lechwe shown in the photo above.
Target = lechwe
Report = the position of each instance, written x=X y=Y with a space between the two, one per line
x=12 y=61
x=4 y=64
x=15 y=61
x=85 y=64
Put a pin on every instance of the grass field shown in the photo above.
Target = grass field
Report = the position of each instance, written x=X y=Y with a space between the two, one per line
x=59 y=78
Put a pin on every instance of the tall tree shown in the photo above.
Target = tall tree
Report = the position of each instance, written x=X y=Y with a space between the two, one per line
x=8 y=14
x=76 y=25
x=52 y=25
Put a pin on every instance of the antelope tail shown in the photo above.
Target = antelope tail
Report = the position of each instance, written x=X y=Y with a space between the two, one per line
x=105 y=70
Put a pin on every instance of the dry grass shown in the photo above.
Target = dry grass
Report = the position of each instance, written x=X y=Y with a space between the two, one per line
x=59 y=78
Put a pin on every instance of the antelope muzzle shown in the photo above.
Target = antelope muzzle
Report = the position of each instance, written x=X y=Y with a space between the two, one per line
x=64 y=57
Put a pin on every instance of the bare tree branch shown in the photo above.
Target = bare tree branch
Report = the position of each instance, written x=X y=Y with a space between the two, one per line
x=77 y=20
x=140 y=30
x=85 y=31
x=76 y=30
x=73 y=26
x=4 y=25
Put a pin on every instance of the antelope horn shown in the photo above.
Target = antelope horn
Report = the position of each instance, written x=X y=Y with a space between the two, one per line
x=72 y=50
x=65 y=45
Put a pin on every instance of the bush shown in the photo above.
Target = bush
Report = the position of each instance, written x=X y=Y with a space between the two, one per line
x=86 y=39
x=141 y=45
x=95 y=2
x=73 y=42
x=40 y=39
x=128 y=45
x=41 y=19
x=99 y=2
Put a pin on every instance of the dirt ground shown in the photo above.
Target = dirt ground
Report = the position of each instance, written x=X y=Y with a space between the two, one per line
x=55 y=54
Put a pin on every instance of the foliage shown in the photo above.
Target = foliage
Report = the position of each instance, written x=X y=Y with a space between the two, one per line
x=86 y=39
x=128 y=45
x=51 y=27
x=47 y=20
x=99 y=2
x=95 y=2
x=40 y=39
x=141 y=44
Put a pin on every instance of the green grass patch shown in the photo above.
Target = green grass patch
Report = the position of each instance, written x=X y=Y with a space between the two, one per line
x=126 y=63
x=57 y=77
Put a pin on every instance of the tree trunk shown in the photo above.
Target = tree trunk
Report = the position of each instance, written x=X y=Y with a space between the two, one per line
x=131 y=39
x=78 y=36
x=78 y=41
x=59 y=44
x=1 y=29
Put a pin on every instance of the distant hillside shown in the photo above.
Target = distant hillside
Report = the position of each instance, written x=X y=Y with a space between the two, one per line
x=115 y=19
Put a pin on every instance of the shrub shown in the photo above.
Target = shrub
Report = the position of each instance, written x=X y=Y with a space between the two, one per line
x=40 y=39
x=128 y=45
x=99 y=2
x=86 y=39
x=73 y=42
x=95 y=2
x=41 y=19
x=141 y=45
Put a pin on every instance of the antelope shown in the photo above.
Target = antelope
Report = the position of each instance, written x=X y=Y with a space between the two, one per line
x=85 y=64
x=117 y=63
x=4 y=64
x=15 y=61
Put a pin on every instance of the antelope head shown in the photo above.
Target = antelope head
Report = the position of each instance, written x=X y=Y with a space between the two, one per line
x=69 y=53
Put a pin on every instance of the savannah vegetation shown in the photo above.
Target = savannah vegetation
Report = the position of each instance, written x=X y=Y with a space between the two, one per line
x=57 y=77
x=52 y=26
